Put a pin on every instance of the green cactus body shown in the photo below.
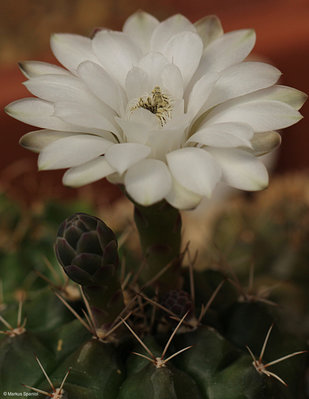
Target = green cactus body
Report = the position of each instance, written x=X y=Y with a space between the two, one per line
x=44 y=311
x=159 y=229
x=239 y=381
x=206 y=358
x=209 y=352
x=221 y=370
x=17 y=361
x=159 y=383
x=246 y=323
x=66 y=339
x=96 y=371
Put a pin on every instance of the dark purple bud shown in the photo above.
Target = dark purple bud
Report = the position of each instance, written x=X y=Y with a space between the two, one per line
x=177 y=301
x=84 y=246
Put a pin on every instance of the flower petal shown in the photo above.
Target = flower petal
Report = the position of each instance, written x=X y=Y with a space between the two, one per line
x=227 y=50
x=293 y=97
x=224 y=135
x=163 y=141
x=139 y=27
x=102 y=85
x=195 y=169
x=265 y=142
x=72 y=151
x=153 y=63
x=261 y=115
x=62 y=88
x=89 y=172
x=209 y=28
x=241 y=79
x=86 y=117
x=172 y=81
x=38 y=113
x=32 y=69
x=137 y=84
x=148 y=181
x=71 y=50
x=122 y=156
x=38 y=139
x=185 y=51
x=115 y=178
x=145 y=118
x=181 y=198
x=241 y=169
x=199 y=93
x=116 y=52
x=133 y=131
x=168 y=28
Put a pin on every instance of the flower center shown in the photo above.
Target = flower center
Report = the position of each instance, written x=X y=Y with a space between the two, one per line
x=158 y=103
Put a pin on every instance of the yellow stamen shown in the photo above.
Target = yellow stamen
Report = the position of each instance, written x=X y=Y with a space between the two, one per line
x=157 y=103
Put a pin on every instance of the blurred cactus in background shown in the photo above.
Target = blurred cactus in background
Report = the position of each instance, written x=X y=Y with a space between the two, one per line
x=267 y=235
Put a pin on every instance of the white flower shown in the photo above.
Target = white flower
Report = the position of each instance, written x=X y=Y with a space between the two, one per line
x=168 y=109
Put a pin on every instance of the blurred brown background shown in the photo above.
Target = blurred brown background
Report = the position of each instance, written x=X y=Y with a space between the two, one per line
x=282 y=28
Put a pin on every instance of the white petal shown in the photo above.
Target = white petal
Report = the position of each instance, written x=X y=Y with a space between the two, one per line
x=241 y=169
x=122 y=156
x=85 y=117
x=265 y=142
x=115 y=178
x=71 y=50
x=116 y=52
x=153 y=63
x=229 y=49
x=224 y=135
x=62 y=88
x=209 y=28
x=145 y=118
x=89 y=172
x=38 y=139
x=241 y=79
x=72 y=151
x=148 y=181
x=133 y=131
x=185 y=51
x=102 y=85
x=181 y=198
x=139 y=27
x=261 y=115
x=163 y=141
x=168 y=28
x=172 y=81
x=200 y=92
x=137 y=84
x=143 y=127
x=38 y=113
x=179 y=120
x=195 y=169
x=288 y=95
x=37 y=68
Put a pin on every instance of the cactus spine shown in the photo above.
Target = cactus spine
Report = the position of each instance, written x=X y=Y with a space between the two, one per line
x=154 y=332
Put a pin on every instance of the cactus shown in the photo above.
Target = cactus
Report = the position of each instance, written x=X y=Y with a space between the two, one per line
x=105 y=329
x=166 y=111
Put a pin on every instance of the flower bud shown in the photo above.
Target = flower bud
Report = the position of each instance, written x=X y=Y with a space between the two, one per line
x=179 y=302
x=87 y=250
x=84 y=246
